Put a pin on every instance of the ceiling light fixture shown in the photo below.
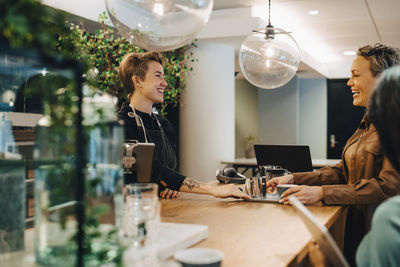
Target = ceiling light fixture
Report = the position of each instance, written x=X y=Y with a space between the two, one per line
x=349 y=53
x=313 y=12
x=159 y=25
x=269 y=57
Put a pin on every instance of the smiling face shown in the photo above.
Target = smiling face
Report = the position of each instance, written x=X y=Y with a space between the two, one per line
x=153 y=85
x=362 y=82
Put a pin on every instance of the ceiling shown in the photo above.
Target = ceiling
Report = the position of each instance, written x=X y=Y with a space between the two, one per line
x=341 y=25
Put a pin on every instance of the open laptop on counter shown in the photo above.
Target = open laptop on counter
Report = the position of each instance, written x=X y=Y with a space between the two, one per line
x=294 y=158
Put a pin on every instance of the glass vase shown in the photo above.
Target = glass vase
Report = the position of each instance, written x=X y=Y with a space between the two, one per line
x=104 y=201
x=56 y=185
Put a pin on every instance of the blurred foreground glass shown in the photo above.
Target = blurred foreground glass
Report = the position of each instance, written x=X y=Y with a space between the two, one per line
x=56 y=183
x=159 y=25
x=7 y=143
x=12 y=205
x=141 y=224
x=141 y=215
x=18 y=68
x=12 y=187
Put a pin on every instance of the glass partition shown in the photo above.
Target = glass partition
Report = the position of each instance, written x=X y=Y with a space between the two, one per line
x=63 y=156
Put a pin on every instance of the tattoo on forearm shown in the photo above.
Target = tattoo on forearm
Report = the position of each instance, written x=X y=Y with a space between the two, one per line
x=191 y=183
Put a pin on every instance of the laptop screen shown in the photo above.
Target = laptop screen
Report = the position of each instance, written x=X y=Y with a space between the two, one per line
x=295 y=158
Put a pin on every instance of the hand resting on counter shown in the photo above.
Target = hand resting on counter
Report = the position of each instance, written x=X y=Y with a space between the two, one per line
x=306 y=194
x=213 y=188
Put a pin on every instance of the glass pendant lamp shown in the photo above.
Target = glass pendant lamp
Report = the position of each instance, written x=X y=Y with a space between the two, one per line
x=269 y=57
x=159 y=25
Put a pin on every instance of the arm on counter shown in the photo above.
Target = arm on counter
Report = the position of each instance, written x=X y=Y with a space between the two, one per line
x=365 y=191
x=212 y=188
x=323 y=176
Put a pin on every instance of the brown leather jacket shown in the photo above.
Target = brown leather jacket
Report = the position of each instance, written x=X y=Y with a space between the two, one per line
x=368 y=181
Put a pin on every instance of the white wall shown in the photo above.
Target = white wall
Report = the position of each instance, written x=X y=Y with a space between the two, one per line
x=278 y=114
x=207 y=122
x=295 y=114
x=246 y=114
x=313 y=116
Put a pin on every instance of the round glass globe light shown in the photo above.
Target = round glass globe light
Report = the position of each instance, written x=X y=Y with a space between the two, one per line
x=269 y=63
x=159 y=25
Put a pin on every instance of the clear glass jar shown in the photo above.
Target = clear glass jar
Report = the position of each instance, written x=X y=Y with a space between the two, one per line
x=56 y=185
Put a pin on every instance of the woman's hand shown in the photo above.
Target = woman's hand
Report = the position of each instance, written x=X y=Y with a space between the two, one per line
x=306 y=194
x=227 y=190
x=168 y=193
x=286 y=179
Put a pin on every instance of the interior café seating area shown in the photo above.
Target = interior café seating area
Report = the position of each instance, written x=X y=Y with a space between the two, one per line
x=199 y=133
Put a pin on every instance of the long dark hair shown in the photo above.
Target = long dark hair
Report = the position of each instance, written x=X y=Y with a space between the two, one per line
x=384 y=111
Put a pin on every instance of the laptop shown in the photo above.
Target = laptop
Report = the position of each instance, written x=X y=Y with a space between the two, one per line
x=295 y=158
x=328 y=246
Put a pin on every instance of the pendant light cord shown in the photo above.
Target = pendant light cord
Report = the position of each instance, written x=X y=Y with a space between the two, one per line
x=269 y=12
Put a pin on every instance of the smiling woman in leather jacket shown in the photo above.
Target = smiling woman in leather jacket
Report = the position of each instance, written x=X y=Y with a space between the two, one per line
x=364 y=177
x=142 y=77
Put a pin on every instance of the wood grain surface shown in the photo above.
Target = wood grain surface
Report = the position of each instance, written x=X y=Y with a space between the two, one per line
x=249 y=233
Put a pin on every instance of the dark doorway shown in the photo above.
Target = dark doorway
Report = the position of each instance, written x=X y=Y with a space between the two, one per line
x=343 y=117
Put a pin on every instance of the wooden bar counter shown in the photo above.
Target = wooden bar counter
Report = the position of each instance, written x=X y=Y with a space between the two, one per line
x=249 y=233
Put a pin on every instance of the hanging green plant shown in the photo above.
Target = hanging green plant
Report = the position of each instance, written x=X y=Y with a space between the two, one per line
x=29 y=24
x=104 y=51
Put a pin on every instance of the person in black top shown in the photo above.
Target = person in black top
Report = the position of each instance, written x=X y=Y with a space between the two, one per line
x=142 y=77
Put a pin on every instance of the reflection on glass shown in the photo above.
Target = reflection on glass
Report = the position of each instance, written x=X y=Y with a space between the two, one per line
x=157 y=25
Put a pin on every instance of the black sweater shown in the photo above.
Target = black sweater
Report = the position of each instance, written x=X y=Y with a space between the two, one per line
x=160 y=171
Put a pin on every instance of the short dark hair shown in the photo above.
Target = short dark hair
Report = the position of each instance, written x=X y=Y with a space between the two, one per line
x=384 y=111
x=380 y=56
x=136 y=64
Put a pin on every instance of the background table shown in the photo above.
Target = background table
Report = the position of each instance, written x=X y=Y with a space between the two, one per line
x=249 y=233
x=244 y=164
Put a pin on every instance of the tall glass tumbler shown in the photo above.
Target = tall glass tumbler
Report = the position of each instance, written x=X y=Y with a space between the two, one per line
x=141 y=215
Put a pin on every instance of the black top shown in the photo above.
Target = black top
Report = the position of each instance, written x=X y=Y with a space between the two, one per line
x=164 y=159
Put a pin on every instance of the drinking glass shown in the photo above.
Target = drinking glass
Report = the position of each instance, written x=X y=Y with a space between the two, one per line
x=141 y=214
